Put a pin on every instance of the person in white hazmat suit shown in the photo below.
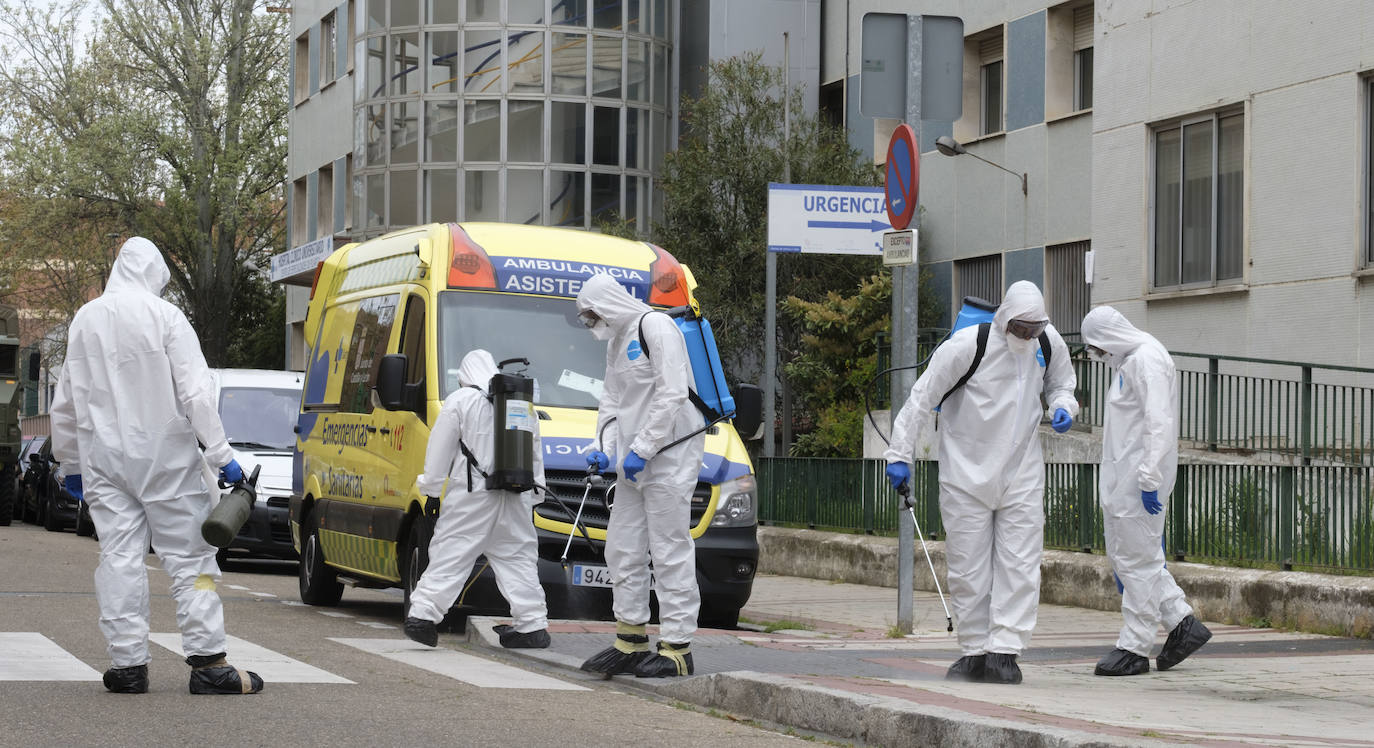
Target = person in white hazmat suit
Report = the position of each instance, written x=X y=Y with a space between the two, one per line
x=134 y=397
x=646 y=394
x=1139 y=462
x=474 y=520
x=992 y=474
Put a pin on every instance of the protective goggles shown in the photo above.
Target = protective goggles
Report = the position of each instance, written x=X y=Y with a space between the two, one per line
x=588 y=318
x=1027 y=330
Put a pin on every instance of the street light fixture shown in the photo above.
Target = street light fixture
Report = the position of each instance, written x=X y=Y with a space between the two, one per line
x=951 y=147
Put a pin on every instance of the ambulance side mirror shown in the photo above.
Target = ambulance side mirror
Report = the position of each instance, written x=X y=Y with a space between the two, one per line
x=391 y=380
x=749 y=412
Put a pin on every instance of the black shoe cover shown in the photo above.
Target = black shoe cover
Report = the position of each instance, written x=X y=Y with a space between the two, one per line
x=219 y=677
x=670 y=660
x=512 y=639
x=1122 y=662
x=611 y=661
x=1186 y=638
x=968 y=667
x=127 y=679
x=422 y=631
x=1001 y=668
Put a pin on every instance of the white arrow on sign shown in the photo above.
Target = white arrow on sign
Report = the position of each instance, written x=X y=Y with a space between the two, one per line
x=826 y=219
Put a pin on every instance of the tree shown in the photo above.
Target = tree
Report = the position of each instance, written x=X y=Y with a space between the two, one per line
x=173 y=120
x=716 y=202
x=838 y=359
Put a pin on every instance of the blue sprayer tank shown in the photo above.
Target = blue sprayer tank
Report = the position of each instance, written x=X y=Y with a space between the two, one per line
x=708 y=378
x=974 y=311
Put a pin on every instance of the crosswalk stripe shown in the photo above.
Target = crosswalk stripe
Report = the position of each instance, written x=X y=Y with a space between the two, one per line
x=28 y=655
x=274 y=667
x=457 y=665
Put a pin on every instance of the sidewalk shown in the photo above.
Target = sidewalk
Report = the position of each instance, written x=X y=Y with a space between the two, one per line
x=843 y=676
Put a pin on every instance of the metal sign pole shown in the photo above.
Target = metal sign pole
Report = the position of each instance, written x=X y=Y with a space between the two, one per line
x=905 y=300
x=770 y=313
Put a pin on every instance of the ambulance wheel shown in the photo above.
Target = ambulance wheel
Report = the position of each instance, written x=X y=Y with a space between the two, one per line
x=415 y=560
x=320 y=585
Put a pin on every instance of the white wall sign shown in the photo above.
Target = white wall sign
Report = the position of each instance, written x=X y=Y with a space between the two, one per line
x=301 y=259
x=899 y=247
x=826 y=219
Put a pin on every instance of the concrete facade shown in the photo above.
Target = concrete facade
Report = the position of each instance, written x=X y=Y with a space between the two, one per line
x=970 y=209
x=1298 y=71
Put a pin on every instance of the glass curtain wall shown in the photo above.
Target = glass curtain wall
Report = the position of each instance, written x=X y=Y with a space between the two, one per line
x=553 y=112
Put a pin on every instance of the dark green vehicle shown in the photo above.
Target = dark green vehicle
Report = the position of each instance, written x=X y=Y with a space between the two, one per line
x=10 y=394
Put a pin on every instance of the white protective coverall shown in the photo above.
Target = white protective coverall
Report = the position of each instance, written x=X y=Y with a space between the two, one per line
x=473 y=522
x=133 y=399
x=992 y=472
x=647 y=397
x=1139 y=453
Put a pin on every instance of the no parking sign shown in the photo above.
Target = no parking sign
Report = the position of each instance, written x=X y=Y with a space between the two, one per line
x=903 y=176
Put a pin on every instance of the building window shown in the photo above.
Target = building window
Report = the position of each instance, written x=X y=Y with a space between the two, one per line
x=328 y=49
x=1083 y=57
x=1066 y=285
x=302 y=65
x=1369 y=173
x=981 y=277
x=324 y=204
x=990 y=85
x=1198 y=211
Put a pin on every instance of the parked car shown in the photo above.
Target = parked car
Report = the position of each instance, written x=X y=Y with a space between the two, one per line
x=47 y=501
x=15 y=510
x=258 y=408
x=34 y=475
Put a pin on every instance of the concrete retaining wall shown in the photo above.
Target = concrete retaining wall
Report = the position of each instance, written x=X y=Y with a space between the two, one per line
x=1318 y=603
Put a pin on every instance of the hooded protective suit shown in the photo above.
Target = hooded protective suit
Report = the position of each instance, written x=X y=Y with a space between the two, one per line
x=1139 y=453
x=647 y=397
x=133 y=399
x=992 y=472
x=476 y=521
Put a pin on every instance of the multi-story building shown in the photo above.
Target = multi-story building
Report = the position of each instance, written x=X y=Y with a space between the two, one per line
x=553 y=112
x=1215 y=156
x=1028 y=105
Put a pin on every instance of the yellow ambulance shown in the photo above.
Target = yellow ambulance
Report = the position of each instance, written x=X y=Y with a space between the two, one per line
x=389 y=321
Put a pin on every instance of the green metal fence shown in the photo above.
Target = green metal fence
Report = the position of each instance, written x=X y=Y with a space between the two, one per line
x=1279 y=516
x=1311 y=411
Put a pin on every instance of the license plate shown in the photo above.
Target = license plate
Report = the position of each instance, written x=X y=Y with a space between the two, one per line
x=591 y=576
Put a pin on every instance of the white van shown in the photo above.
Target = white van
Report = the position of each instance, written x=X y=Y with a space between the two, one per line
x=259 y=409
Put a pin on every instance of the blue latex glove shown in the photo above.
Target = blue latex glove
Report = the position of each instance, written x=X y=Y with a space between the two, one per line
x=1062 y=421
x=1120 y=588
x=73 y=485
x=1150 y=500
x=633 y=464
x=598 y=459
x=231 y=473
x=898 y=473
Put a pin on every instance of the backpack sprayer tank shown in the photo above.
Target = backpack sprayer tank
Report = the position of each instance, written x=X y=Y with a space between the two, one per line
x=229 y=515
x=512 y=405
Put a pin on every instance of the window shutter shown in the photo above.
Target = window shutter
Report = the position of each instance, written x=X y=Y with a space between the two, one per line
x=990 y=50
x=1082 y=27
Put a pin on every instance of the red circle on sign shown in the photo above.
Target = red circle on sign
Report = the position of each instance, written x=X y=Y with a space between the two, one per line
x=903 y=176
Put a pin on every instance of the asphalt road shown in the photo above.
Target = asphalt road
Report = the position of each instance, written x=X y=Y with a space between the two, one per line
x=47 y=588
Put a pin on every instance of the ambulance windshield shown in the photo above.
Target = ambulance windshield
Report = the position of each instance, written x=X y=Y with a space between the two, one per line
x=566 y=362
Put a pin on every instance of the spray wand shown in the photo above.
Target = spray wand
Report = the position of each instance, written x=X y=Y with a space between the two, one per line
x=904 y=491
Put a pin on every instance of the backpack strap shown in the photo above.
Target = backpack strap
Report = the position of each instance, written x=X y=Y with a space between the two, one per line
x=467 y=453
x=983 y=329
x=700 y=404
x=1046 y=351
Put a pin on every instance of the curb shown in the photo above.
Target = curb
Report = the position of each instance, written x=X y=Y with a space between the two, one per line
x=1296 y=600
x=867 y=718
